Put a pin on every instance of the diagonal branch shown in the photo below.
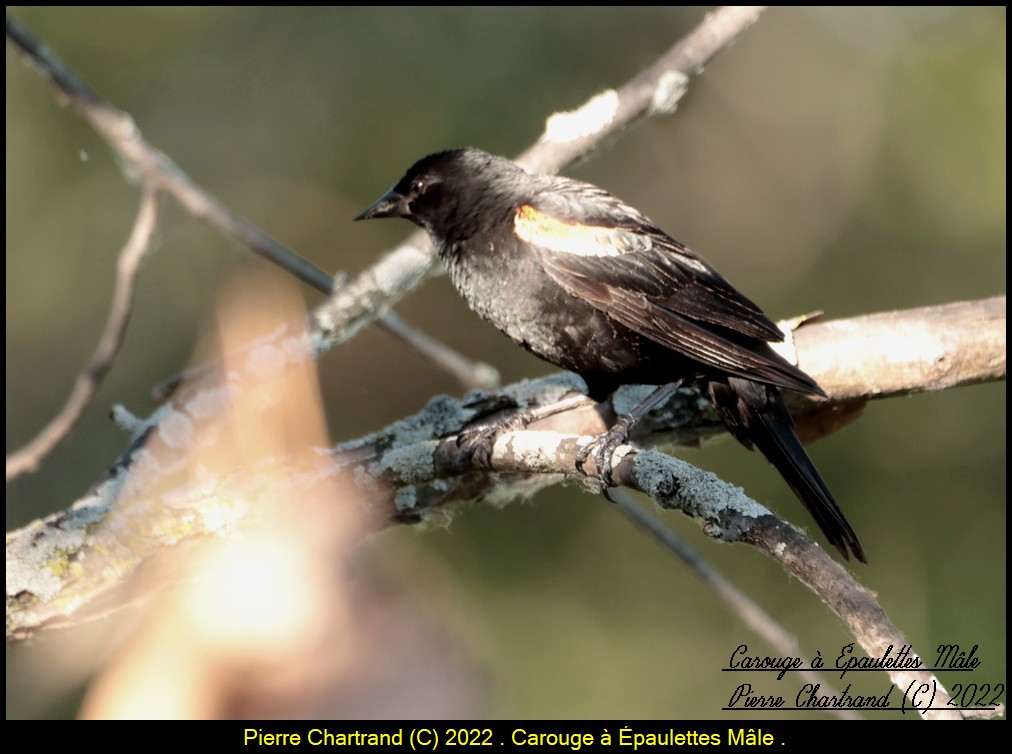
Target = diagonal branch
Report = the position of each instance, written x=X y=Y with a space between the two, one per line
x=157 y=171
x=154 y=167
x=740 y=604
x=59 y=567
x=426 y=473
x=567 y=138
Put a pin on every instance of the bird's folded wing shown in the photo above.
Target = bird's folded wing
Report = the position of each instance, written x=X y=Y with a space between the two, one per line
x=680 y=303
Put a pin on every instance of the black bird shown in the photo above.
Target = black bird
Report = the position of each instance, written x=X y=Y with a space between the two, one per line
x=581 y=279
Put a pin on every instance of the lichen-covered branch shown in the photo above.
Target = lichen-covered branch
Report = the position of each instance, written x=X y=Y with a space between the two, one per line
x=57 y=567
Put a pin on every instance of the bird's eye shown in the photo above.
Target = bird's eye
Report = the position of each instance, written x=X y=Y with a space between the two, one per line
x=417 y=186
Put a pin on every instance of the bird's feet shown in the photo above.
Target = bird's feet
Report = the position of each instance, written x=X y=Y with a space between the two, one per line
x=606 y=444
x=477 y=442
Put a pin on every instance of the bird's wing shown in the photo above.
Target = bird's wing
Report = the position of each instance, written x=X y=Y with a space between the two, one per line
x=610 y=255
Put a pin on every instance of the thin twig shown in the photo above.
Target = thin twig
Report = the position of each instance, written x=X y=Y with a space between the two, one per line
x=156 y=170
x=748 y=612
x=656 y=90
x=567 y=137
x=728 y=515
x=29 y=456
x=406 y=473
x=472 y=375
x=153 y=166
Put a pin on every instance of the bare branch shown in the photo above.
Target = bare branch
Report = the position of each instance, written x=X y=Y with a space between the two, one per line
x=729 y=515
x=128 y=264
x=916 y=350
x=157 y=172
x=739 y=603
x=567 y=137
x=60 y=568
x=152 y=166
x=414 y=467
x=656 y=90
x=856 y=605
x=472 y=375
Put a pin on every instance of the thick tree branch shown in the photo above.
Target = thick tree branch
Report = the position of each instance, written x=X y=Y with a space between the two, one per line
x=66 y=567
x=898 y=353
x=58 y=568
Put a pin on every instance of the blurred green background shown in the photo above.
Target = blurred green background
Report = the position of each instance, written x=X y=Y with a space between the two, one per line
x=844 y=160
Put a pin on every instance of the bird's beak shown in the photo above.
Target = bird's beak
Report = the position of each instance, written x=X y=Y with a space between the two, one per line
x=391 y=204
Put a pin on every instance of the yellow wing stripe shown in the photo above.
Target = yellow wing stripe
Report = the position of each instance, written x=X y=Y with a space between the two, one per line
x=543 y=230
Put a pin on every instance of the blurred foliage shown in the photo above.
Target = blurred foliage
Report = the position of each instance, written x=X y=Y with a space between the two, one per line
x=844 y=160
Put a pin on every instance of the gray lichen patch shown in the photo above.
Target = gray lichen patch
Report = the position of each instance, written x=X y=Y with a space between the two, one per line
x=406 y=465
x=673 y=483
x=441 y=416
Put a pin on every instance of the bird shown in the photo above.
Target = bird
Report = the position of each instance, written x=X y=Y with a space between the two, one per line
x=583 y=280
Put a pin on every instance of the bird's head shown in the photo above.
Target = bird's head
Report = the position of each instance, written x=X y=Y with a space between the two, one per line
x=441 y=190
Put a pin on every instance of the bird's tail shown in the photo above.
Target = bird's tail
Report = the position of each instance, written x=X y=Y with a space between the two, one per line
x=756 y=415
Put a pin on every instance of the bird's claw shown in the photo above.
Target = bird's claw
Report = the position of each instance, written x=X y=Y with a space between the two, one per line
x=604 y=446
x=478 y=442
